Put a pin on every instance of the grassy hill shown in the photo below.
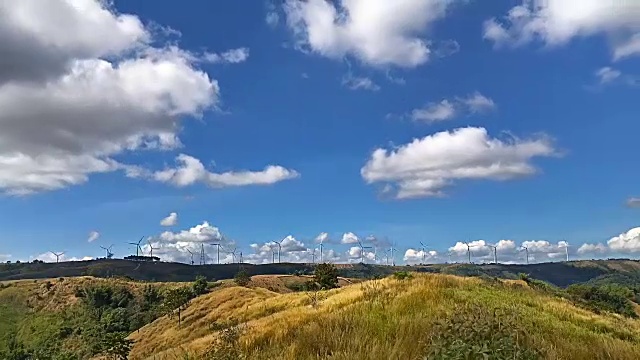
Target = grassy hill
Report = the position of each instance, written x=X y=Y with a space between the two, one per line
x=434 y=315
x=559 y=273
x=406 y=316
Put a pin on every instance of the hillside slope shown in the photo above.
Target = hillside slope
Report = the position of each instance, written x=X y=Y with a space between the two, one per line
x=558 y=273
x=390 y=319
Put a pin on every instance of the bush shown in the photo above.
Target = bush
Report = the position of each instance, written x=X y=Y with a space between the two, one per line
x=326 y=276
x=200 y=286
x=402 y=275
x=611 y=298
x=242 y=278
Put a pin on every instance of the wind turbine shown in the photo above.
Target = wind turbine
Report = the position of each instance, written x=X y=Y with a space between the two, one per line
x=57 y=256
x=566 y=249
x=233 y=254
x=151 y=248
x=424 y=251
x=190 y=252
x=526 y=249
x=449 y=255
x=279 y=243
x=313 y=256
x=273 y=256
x=495 y=252
x=393 y=258
x=241 y=257
x=108 y=250
x=137 y=245
x=362 y=251
x=468 y=251
x=218 y=245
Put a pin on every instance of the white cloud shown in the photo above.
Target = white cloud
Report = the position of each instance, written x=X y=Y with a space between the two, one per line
x=190 y=171
x=413 y=256
x=349 y=238
x=628 y=242
x=80 y=84
x=171 y=220
x=93 y=236
x=607 y=74
x=556 y=22
x=448 y=109
x=592 y=249
x=272 y=18
x=233 y=56
x=364 y=29
x=359 y=83
x=51 y=258
x=633 y=202
x=434 y=112
x=5 y=257
x=322 y=237
x=427 y=166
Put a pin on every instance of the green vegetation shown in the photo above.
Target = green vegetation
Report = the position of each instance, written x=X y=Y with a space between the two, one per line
x=242 y=278
x=326 y=276
x=93 y=317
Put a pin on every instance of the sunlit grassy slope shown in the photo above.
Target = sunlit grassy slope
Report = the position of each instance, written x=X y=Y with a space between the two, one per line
x=385 y=319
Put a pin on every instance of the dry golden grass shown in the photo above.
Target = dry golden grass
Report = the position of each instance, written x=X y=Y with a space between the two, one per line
x=381 y=319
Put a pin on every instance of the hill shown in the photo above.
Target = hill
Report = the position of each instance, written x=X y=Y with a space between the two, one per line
x=558 y=273
x=442 y=316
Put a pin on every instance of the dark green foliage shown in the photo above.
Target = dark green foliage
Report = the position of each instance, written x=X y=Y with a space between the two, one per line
x=177 y=300
x=242 y=278
x=116 y=346
x=402 y=275
x=612 y=298
x=227 y=347
x=326 y=276
x=200 y=286
x=476 y=332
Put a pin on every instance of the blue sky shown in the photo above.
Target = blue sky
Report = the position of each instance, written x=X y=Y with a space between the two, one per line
x=289 y=98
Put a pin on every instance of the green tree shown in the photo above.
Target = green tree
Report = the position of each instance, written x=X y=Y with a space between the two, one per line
x=176 y=301
x=200 y=285
x=242 y=278
x=116 y=346
x=326 y=276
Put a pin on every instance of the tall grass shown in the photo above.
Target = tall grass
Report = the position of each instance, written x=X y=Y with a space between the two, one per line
x=417 y=318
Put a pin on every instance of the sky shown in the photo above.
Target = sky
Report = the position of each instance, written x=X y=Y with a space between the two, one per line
x=360 y=125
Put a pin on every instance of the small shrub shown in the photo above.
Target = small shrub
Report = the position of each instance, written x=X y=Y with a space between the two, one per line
x=242 y=278
x=200 y=286
x=402 y=275
x=228 y=345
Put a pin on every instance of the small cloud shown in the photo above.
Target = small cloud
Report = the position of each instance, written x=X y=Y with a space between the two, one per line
x=170 y=220
x=272 y=18
x=435 y=112
x=304 y=75
x=447 y=48
x=359 y=83
x=607 y=75
x=349 y=238
x=633 y=202
x=233 y=56
x=93 y=236
x=322 y=238
x=448 y=109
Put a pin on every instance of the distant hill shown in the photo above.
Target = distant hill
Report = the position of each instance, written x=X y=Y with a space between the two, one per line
x=558 y=273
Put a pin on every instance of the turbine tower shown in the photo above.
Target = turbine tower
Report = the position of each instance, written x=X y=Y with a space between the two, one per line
x=468 y=251
x=137 y=245
x=424 y=251
x=495 y=252
x=233 y=255
x=218 y=245
x=526 y=249
x=190 y=252
x=109 y=254
x=151 y=248
x=57 y=256
x=362 y=247
x=279 y=243
x=566 y=249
